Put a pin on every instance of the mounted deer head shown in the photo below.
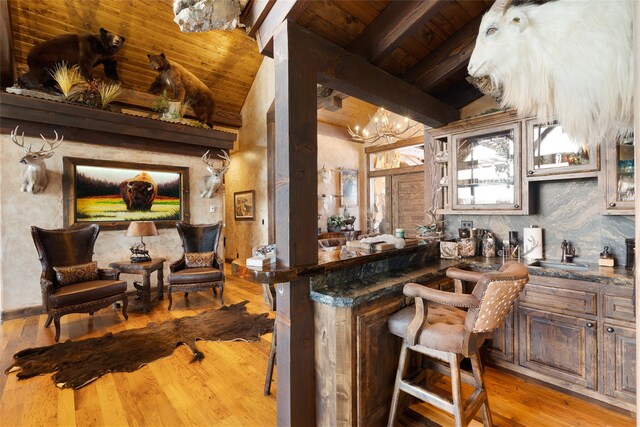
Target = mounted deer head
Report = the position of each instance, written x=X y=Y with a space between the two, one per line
x=34 y=178
x=213 y=181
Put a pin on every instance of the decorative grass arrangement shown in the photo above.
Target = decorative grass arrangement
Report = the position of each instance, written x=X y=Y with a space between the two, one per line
x=69 y=80
x=109 y=92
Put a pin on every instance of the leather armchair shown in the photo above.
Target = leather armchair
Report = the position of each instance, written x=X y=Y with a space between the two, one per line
x=442 y=330
x=197 y=238
x=67 y=247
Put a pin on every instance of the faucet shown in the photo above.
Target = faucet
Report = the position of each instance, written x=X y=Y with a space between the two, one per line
x=568 y=252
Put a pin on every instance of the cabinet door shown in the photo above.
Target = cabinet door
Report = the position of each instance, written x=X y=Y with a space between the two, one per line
x=620 y=362
x=377 y=357
x=559 y=346
x=551 y=154
x=501 y=346
x=486 y=170
x=620 y=186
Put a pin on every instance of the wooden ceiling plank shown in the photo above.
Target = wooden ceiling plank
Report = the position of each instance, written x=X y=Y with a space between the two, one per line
x=363 y=10
x=281 y=11
x=330 y=12
x=351 y=74
x=254 y=15
x=445 y=60
x=389 y=30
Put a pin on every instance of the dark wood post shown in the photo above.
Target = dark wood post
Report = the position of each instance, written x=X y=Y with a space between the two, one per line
x=296 y=153
x=7 y=68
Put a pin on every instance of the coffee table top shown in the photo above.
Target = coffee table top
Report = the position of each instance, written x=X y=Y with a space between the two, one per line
x=154 y=264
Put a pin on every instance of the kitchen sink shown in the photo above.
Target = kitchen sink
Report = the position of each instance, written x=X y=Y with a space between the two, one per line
x=559 y=265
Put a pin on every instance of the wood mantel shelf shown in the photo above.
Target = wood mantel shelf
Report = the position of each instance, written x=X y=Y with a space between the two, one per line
x=95 y=126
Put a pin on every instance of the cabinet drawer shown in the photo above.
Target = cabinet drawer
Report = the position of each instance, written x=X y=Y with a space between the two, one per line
x=618 y=306
x=560 y=299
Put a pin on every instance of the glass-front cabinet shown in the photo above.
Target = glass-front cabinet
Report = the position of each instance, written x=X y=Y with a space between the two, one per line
x=619 y=181
x=486 y=170
x=551 y=154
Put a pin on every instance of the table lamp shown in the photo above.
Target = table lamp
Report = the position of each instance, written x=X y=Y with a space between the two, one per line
x=140 y=229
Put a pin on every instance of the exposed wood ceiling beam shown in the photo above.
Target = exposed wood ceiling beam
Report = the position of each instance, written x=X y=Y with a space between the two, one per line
x=448 y=58
x=399 y=20
x=254 y=14
x=280 y=11
x=351 y=74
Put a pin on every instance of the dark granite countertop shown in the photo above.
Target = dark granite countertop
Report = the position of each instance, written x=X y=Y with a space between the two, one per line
x=352 y=293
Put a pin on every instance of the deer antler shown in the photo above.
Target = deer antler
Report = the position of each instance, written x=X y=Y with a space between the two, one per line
x=206 y=160
x=52 y=145
x=14 y=133
x=226 y=161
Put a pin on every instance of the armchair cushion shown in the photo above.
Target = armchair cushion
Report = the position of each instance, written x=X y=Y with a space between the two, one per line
x=195 y=275
x=84 y=292
x=199 y=259
x=68 y=275
x=445 y=331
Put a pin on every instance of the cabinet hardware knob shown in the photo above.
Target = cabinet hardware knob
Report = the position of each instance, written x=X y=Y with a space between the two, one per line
x=530 y=172
x=517 y=206
x=589 y=325
x=612 y=205
x=610 y=329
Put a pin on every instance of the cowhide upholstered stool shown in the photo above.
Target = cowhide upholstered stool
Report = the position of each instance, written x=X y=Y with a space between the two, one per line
x=441 y=330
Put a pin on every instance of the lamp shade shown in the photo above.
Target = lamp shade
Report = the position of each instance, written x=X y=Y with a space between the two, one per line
x=141 y=228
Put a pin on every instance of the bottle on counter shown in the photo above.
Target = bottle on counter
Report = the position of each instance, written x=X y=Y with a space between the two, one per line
x=488 y=245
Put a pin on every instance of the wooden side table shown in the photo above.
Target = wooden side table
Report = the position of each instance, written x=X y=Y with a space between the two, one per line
x=145 y=269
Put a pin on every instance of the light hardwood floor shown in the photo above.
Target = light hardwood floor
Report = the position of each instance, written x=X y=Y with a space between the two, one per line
x=226 y=387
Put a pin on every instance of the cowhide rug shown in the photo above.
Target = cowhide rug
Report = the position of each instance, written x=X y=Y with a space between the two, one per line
x=77 y=363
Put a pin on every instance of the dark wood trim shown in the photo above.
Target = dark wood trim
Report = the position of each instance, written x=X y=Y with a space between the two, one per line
x=7 y=64
x=254 y=14
x=69 y=195
x=446 y=59
x=350 y=74
x=399 y=20
x=296 y=181
x=60 y=114
x=281 y=11
x=271 y=172
x=19 y=313
x=397 y=171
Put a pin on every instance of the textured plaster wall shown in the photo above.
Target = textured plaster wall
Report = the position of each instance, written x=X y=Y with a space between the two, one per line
x=335 y=154
x=19 y=265
x=248 y=169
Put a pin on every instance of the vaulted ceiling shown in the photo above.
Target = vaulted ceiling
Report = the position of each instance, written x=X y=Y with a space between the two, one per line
x=426 y=43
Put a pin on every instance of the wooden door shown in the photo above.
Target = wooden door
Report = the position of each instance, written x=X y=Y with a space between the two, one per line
x=377 y=357
x=559 y=346
x=407 y=201
x=619 y=362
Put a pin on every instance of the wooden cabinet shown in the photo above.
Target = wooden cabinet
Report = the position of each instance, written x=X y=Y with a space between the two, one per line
x=482 y=173
x=619 y=362
x=551 y=154
x=501 y=346
x=618 y=183
x=560 y=346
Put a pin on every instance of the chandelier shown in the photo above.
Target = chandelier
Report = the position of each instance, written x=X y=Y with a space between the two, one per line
x=384 y=129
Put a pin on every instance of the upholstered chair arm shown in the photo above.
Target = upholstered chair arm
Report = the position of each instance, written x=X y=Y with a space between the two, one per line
x=217 y=263
x=108 y=274
x=441 y=297
x=465 y=275
x=46 y=286
x=178 y=265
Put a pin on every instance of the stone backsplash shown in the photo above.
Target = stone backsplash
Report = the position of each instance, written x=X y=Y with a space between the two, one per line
x=570 y=210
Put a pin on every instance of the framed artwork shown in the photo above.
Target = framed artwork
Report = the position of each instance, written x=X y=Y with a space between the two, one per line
x=112 y=194
x=244 y=205
x=349 y=187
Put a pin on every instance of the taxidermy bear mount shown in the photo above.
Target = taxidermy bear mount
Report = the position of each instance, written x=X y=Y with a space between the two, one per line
x=182 y=85
x=84 y=50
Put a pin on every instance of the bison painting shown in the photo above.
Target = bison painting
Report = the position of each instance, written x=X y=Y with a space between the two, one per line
x=139 y=192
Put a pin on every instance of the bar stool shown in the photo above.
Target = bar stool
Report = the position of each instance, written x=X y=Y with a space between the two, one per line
x=441 y=330
x=269 y=298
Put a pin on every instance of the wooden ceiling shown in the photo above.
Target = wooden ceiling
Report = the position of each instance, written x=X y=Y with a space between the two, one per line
x=426 y=43
x=227 y=61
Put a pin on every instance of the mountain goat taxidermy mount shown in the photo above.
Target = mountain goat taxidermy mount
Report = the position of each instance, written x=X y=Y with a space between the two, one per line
x=566 y=59
x=212 y=182
x=34 y=177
